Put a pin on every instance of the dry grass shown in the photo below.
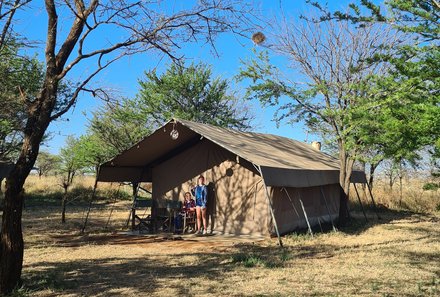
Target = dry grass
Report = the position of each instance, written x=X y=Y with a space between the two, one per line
x=414 y=198
x=398 y=255
x=52 y=184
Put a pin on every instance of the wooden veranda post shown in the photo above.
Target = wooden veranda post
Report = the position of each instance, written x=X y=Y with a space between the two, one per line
x=270 y=205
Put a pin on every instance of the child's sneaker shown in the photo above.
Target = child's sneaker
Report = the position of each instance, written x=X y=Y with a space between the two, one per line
x=205 y=232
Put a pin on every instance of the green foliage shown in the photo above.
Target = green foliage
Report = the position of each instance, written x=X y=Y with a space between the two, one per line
x=46 y=163
x=20 y=292
x=248 y=260
x=431 y=186
x=71 y=160
x=330 y=86
x=114 y=129
x=409 y=95
x=257 y=259
x=190 y=93
x=20 y=77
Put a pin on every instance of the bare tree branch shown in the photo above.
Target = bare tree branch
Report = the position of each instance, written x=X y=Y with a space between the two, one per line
x=9 y=15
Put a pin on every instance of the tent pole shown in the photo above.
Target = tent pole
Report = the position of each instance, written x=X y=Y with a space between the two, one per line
x=360 y=202
x=305 y=215
x=291 y=202
x=328 y=209
x=270 y=205
x=372 y=199
x=90 y=204
x=113 y=206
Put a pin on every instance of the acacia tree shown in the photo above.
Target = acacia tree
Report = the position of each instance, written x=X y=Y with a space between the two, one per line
x=70 y=163
x=190 y=93
x=116 y=127
x=409 y=96
x=20 y=77
x=8 y=8
x=46 y=162
x=99 y=34
x=333 y=59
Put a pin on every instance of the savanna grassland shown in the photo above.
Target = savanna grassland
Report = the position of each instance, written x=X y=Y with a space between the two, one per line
x=398 y=255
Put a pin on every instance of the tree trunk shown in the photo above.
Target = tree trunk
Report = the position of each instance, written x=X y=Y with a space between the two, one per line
x=400 y=183
x=63 y=206
x=11 y=240
x=346 y=167
x=371 y=177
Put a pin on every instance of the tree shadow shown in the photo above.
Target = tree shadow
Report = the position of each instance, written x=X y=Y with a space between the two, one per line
x=139 y=275
x=357 y=223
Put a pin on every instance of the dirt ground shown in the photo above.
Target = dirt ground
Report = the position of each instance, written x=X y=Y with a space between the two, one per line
x=398 y=255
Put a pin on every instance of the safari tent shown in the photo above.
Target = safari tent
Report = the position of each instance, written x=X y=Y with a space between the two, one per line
x=260 y=184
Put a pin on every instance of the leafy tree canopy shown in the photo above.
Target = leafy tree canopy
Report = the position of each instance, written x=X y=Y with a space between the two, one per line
x=20 y=77
x=190 y=93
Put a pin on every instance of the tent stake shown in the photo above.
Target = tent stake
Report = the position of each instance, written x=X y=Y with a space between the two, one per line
x=360 y=202
x=374 y=203
x=328 y=209
x=270 y=206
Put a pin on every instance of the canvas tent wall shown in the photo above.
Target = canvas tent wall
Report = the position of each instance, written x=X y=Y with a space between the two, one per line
x=238 y=166
x=236 y=201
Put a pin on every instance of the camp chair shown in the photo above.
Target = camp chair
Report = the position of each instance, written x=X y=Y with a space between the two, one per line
x=189 y=221
x=172 y=210
x=142 y=222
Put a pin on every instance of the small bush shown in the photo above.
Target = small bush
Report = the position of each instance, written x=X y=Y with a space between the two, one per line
x=113 y=194
x=20 y=292
x=80 y=193
x=431 y=186
x=248 y=260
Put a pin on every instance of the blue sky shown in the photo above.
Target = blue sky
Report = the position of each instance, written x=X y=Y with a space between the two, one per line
x=123 y=75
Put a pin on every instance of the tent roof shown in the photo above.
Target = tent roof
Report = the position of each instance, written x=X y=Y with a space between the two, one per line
x=283 y=161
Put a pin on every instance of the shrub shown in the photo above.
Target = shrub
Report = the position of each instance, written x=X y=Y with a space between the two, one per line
x=431 y=186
